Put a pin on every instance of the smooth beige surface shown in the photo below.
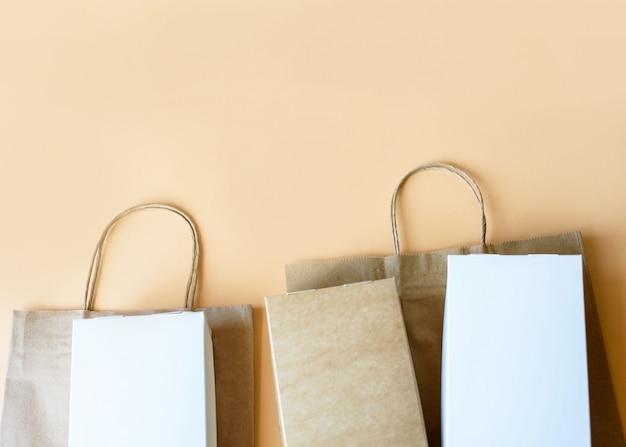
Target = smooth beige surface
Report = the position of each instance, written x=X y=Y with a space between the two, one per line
x=282 y=127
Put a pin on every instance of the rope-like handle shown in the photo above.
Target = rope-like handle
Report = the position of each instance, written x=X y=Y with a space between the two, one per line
x=94 y=269
x=469 y=181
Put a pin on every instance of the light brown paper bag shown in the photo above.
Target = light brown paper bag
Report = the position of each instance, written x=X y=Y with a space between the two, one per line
x=36 y=400
x=421 y=281
x=342 y=368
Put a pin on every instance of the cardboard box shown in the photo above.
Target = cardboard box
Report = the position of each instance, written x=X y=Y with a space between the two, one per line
x=343 y=369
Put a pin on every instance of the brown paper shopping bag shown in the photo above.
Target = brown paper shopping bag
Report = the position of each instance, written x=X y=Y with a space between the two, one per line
x=37 y=387
x=343 y=369
x=421 y=281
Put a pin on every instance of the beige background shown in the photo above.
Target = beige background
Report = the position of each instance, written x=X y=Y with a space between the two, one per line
x=283 y=126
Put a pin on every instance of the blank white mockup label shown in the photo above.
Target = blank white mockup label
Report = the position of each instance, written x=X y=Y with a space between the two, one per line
x=142 y=381
x=514 y=371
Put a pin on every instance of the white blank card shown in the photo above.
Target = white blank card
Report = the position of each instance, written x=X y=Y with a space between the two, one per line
x=514 y=369
x=143 y=380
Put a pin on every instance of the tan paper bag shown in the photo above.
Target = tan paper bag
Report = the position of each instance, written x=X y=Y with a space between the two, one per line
x=421 y=281
x=342 y=368
x=37 y=387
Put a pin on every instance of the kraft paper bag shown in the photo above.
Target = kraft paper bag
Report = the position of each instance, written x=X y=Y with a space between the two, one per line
x=37 y=386
x=148 y=379
x=421 y=282
x=514 y=352
x=342 y=368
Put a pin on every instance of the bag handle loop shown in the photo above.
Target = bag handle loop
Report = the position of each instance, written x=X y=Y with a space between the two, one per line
x=469 y=181
x=94 y=269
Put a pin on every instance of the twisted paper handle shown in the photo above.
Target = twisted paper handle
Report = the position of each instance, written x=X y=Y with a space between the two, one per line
x=94 y=269
x=469 y=181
